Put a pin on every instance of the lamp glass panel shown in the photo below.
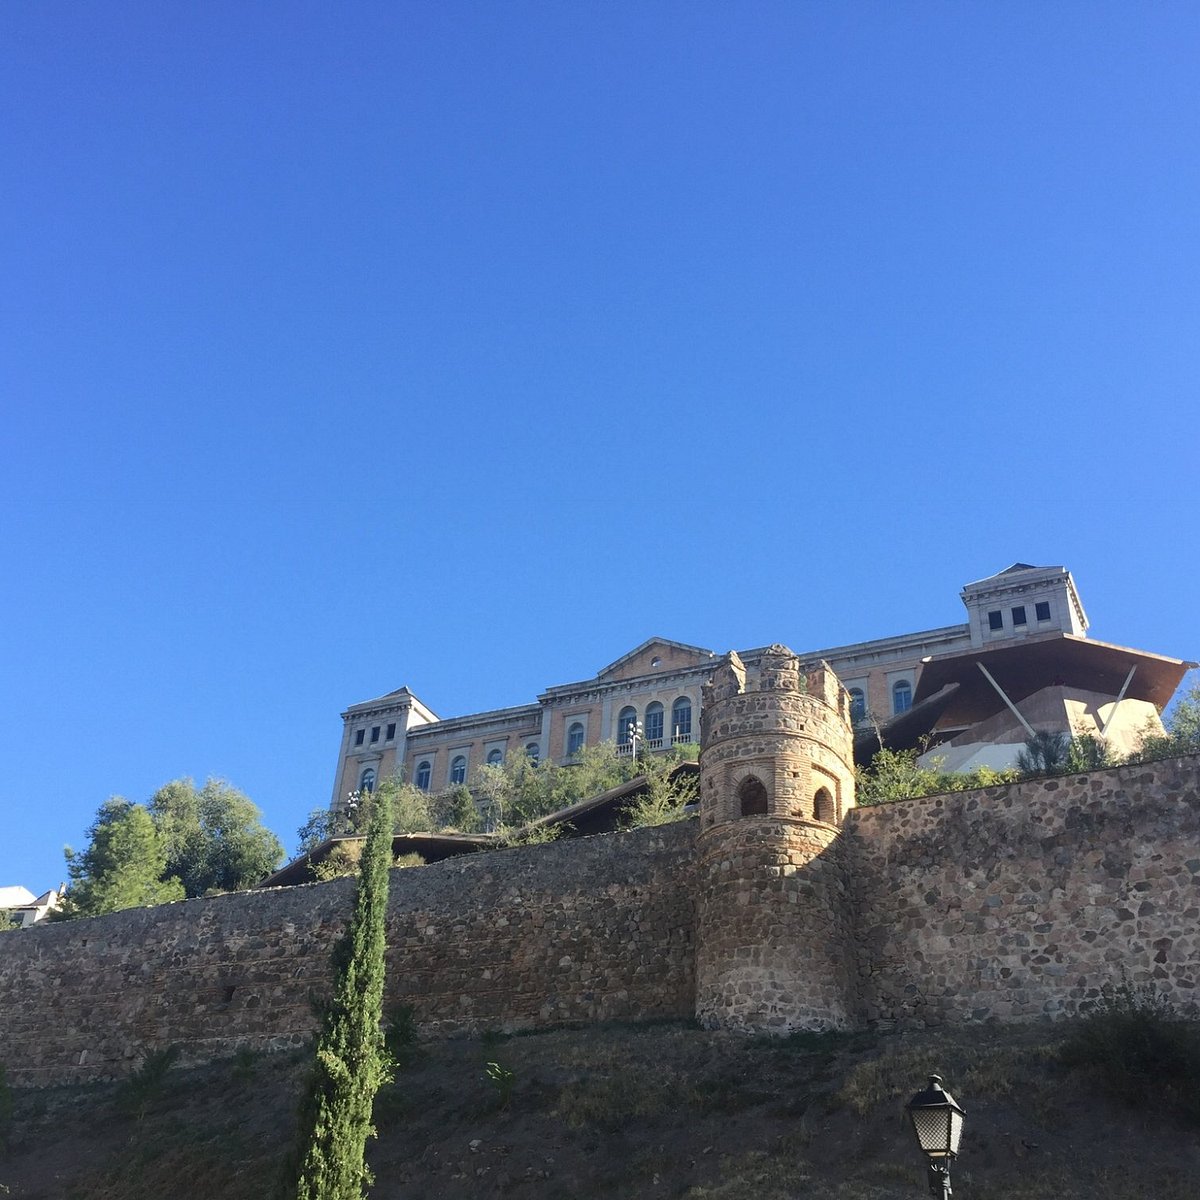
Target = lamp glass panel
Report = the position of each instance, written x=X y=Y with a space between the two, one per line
x=956 y=1128
x=933 y=1129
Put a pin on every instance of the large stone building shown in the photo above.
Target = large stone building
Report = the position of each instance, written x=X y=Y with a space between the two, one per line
x=974 y=692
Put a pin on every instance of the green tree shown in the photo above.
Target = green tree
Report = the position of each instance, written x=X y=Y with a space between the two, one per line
x=1181 y=732
x=666 y=797
x=351 y=1062
x=318 y=828
x=214 y=836
x=1183 y=722
x=409 y=806
x=1089 y=752
x=459 y=811
x=1045 y=752
x=124 y=865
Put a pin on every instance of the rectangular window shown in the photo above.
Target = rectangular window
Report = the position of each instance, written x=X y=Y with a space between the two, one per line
x=374 y=733
x=391 y=733
x=995 y=620
x=1042 y=608
x=1019 y=615
x=358 y=737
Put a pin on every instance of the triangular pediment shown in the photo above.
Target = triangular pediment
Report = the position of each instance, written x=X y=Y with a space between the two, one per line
x=653 y=656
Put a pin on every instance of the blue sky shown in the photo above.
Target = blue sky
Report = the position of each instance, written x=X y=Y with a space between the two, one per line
x=466 y=346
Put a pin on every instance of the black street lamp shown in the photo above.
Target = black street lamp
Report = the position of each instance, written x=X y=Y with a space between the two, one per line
x=937 y=1121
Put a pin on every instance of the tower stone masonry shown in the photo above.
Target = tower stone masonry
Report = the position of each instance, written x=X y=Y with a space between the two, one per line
x=773 y=947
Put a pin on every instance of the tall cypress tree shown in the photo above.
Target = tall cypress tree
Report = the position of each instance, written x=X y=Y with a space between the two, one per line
x=350 y=1060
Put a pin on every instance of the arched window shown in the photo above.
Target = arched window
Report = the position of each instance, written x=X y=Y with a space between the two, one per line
x=858 y=705
x=495 y=758
x=823 y=809
x=625 y=723
x=901 y=696
x=654 y=725
x=366 y=781
x=533 y=753
x=681 y=720
x=752 y=796
x=424 y=774
x=458 y=769
x=574 y=739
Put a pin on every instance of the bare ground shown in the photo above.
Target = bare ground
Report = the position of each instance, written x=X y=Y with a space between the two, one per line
x=622 y=1111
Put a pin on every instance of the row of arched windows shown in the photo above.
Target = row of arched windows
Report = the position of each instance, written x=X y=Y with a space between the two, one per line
x=653 y=731
x=653 y=723
x=901 y=700
x=423 y=775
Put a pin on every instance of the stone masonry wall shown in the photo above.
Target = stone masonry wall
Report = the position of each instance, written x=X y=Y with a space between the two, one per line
x=1026 y=900
x=592 y=929
x=1006 y=903
x=773 y=951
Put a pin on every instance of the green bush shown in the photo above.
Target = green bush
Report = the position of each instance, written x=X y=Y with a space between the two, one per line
x=1141 y=1049
x=400 y=1033
x=138 y=1094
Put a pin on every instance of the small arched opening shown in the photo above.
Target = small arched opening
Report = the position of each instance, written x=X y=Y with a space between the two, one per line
x=823 y=807
x=752 y=797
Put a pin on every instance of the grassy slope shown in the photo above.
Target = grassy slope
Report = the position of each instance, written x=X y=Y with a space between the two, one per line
x=659 y=1111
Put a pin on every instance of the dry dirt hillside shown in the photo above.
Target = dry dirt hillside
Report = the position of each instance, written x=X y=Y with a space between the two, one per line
x=624 y=1111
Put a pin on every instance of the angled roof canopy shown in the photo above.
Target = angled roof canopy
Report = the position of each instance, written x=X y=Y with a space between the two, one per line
x=1025 y=665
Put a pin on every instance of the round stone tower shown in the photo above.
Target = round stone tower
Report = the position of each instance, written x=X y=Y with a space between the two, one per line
x=776 y=777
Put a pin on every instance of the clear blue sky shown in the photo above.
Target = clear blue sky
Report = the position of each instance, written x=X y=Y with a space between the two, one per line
x=465 y=346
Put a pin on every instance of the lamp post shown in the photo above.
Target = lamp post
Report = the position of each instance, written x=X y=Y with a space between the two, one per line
x=937 y=1121
x=635 y=733
x=350 y=810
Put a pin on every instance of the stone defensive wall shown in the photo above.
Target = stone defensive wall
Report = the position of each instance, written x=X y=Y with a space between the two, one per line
x=1005 y=903
x=1026 y=900
x=595 y=929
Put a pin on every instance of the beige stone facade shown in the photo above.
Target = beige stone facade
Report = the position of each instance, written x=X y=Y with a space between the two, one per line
x=1026 y=626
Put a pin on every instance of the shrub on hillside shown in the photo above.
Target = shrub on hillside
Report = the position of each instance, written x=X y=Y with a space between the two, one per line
x=1141 y=1049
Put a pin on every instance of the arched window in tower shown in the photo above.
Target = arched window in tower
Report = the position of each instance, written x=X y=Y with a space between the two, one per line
x=625 y=723
x=458 y=769
x=654 y=726
x=574 y=739
x=681 y=720
x=858 y=705
x=901 y=696
x=366 y=781
x=752 y=797
x=424 y=774
x=495 y=758
x=533 y=753
x=823 y=807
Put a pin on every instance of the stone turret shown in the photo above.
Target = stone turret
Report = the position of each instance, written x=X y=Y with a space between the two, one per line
x=776 y=778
